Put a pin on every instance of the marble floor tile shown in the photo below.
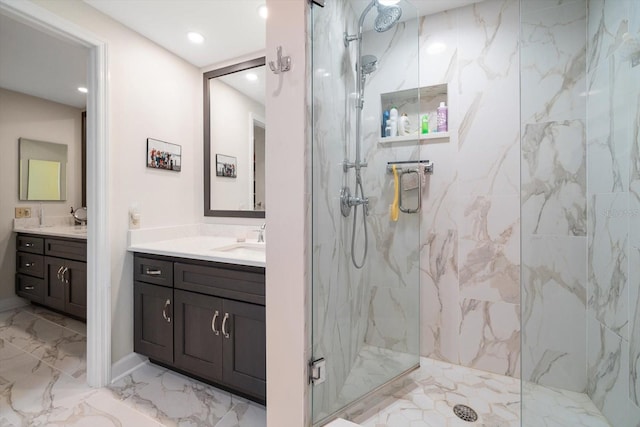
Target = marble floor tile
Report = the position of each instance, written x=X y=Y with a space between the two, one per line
x=41 y=354
x=172 y=398
x=53 y=344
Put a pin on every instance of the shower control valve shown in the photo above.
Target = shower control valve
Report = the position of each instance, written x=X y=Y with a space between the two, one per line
x=347 y=201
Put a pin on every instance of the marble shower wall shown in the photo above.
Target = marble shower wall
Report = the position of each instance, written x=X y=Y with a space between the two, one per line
x=468 y=246
x=613 y=195
x=554 y=192
x=470 y=223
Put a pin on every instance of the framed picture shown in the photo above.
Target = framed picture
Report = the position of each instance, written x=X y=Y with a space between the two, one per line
x=163 y=155
x=226 y=166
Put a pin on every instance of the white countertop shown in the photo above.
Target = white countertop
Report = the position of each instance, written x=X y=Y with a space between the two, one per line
x=202 y=247
x=70 y=231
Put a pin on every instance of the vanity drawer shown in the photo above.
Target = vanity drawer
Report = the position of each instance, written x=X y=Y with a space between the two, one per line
x=67 y=249
x=150 y=270
x=30 y=287
x=34 y=245
x=30 y=264
x=228 y=283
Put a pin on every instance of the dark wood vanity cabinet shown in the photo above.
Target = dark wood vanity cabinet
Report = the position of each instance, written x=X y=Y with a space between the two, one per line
x=207 y=321
x=53 y=272
x=66 y=286
x=153 y=332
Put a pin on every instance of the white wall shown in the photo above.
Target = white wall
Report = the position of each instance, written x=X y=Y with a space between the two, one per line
x=34 y=118
x=288 y=218
x=231 y=126
x=152 y=94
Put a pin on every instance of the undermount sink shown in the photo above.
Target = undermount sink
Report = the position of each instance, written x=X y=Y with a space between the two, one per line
x=244 y=248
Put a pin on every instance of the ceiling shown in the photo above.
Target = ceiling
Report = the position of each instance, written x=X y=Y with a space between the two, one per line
x=231 y=28
x=41 y=65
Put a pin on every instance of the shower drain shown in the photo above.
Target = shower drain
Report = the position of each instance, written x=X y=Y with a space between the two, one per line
x=465 y=413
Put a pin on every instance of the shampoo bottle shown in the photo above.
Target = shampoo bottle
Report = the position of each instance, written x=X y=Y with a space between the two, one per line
x=385 y=119
x=443 y=113
x=404 y=127
x=425 y=124
x=393 y=117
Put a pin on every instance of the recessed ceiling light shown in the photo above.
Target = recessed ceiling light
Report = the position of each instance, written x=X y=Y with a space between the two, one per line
x=83 y=89
x=252 y=77
x=263 y=11
x=195 y=37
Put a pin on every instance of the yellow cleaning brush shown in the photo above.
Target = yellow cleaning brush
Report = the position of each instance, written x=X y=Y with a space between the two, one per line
x=396 y=185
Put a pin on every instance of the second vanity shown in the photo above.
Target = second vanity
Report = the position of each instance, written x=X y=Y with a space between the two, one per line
x=199 y=308
x=51 y=267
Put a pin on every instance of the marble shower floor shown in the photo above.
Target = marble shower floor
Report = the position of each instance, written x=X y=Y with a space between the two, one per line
x=43 y=374
x=427 y=396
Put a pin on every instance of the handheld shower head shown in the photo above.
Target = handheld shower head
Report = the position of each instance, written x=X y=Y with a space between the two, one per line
x=387 y=17
x=368 y=64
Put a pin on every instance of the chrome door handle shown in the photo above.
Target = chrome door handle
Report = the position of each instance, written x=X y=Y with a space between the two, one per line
x=213 y=323
x=224 y=325
x=164 y=311
x=60 y=271
x=153 y=272
x=29 y=288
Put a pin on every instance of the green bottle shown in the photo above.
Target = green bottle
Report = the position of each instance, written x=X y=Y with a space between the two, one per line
x=425 y=124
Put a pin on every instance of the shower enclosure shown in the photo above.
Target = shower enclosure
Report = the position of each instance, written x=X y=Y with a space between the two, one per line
x=365 y=266
x=528 y=259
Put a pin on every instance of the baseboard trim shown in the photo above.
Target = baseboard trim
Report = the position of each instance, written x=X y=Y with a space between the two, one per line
x=126 y=365
x=10 y=303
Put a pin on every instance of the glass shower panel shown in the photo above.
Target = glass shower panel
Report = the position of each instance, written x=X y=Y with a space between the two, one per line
x=580 y=205
x=365 y=265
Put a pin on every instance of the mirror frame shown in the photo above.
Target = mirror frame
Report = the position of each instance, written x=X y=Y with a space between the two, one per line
x=242 y=66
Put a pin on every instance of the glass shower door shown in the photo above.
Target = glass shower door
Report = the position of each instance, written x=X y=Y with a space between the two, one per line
x=365 y=265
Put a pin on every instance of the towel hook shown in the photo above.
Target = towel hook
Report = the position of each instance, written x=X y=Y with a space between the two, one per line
x=282 y=64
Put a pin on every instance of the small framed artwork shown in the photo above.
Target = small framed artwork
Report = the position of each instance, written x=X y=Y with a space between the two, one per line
x=163 y=155
x=226 y=166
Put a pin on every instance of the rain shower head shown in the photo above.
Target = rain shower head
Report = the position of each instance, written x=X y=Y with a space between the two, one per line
x=369 y=63
x=387 y=17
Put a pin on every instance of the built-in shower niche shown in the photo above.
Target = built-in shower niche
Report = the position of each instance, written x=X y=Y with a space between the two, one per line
x=415 y=103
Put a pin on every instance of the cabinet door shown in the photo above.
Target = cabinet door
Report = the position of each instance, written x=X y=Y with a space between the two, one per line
x=244 y=347
x=54 y=285
x=75 y=278
x=153 y=322
x=198 y=341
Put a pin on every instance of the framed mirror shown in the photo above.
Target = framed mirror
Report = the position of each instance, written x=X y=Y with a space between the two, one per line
x=234 y=140
x=43 y=170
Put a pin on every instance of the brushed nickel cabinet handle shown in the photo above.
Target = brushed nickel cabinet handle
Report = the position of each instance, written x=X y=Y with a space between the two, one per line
x=155 y=272
x=59 y=272
x=28 y=245
x=65 y=276
x=29 y=288
x=213 y=323
x=29 y=264
x=164 y=311
x=224 y=325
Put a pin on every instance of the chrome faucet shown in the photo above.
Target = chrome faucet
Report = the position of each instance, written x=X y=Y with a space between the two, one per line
x=261 y=232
